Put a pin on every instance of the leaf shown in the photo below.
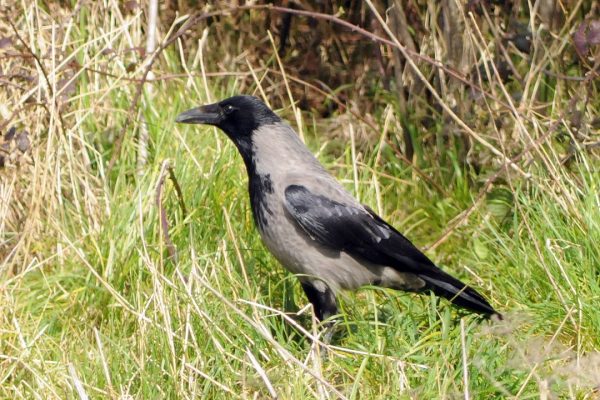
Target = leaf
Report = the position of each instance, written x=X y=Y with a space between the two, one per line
x=579 y=40
x=594 y=32
x=22 y=141
x=66 y=87
x=131 y=6
x=586 y=36
x=5 y=42
x=499 y=203
x=10 y=134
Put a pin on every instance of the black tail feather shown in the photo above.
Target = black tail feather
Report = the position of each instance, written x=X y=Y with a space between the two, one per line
x=458 y=293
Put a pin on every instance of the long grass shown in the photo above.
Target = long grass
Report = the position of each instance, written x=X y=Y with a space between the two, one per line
x=92 y=305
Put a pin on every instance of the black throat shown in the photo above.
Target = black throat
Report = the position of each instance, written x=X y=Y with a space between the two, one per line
x=259 y=185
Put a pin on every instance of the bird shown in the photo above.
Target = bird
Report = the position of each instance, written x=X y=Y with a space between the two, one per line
x=312 y=225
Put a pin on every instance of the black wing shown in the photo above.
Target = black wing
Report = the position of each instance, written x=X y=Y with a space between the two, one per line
x=353 y=230
x=362 y=233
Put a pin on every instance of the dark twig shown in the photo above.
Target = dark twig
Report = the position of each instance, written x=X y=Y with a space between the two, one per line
x=589 y=76
x=165 y=77
x=419 y=171
x=39 y=63
x=164 y=223
x=284 y=32
x=178 y=190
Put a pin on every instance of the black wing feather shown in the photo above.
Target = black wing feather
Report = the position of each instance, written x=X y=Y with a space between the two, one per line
x=360 y=232
x=351 y=229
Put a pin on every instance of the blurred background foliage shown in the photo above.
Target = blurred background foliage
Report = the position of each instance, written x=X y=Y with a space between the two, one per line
x=481 y=62
x=469 y=52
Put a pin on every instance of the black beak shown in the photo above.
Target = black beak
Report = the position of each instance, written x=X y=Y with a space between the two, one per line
x=210 y=115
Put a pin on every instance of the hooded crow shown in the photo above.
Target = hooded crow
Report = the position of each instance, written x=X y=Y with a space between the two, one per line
x=312 y=225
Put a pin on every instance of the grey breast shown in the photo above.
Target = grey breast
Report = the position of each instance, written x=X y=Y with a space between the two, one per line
x=282 y=159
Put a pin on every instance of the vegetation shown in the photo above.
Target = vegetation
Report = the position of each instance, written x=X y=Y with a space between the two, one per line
x=129 y=264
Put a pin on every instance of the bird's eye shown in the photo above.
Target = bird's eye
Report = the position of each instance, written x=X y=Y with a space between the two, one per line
x=228 y=109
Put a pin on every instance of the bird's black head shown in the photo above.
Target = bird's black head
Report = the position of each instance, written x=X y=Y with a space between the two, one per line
x=237 y=116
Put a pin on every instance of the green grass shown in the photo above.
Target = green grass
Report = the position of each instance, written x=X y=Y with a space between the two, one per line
x=94 y=300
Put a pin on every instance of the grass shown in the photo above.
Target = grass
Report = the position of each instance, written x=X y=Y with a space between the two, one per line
x=92 y=306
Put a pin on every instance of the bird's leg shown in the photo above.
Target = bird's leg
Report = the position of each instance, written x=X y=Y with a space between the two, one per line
x=323 y=300
x=321 y=297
